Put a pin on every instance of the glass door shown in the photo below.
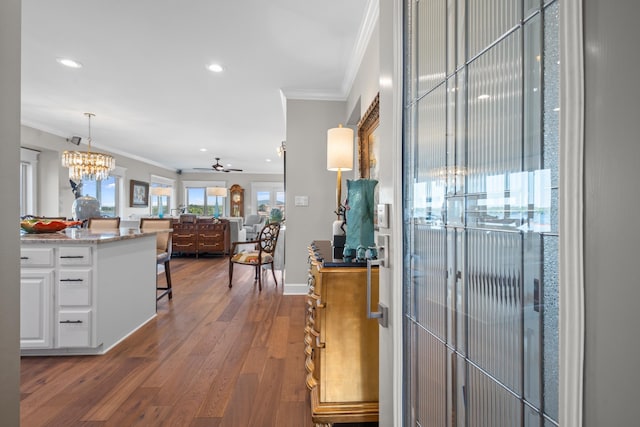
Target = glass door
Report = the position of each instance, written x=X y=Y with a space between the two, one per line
x=481 y=215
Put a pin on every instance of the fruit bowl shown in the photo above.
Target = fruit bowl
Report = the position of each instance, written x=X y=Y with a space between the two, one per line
x=46 y=225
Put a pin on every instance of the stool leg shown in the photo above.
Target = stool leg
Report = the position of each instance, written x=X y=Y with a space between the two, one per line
x=167 y=273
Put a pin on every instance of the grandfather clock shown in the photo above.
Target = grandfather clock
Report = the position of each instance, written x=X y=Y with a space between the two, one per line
x=237 y=200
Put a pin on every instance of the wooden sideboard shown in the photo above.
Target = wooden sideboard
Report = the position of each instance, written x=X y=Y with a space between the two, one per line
x=203 y=235
x=341 y=343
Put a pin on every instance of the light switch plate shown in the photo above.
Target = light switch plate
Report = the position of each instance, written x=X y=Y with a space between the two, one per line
x=383 y=215
x=301 y=200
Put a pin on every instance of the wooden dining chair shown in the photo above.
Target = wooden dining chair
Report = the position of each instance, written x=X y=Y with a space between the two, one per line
x=265 y=247
x=163 y=250
x=103 y=223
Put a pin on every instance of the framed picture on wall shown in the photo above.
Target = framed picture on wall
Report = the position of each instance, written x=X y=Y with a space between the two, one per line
x=369 y=149
x=368 y=144
x=138 y=193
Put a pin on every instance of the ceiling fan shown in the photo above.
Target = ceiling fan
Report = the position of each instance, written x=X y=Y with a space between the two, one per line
x=218 y=167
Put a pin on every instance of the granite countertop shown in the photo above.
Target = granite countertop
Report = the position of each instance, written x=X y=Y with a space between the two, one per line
x=84 y=236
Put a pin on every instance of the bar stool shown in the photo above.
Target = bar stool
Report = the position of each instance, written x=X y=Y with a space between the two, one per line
x=163 y=250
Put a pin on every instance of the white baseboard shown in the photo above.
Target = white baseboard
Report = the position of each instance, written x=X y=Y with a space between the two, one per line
x=296 y=289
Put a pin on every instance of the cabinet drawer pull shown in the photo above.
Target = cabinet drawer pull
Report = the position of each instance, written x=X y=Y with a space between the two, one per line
x=72 y=280
x=24 y=257
x=72 y=256
x=71 y=321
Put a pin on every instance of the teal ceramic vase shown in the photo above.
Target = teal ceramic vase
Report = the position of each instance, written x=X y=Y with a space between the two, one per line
x=360 y=195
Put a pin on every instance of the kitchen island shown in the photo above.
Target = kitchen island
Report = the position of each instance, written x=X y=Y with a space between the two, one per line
x=83 y=292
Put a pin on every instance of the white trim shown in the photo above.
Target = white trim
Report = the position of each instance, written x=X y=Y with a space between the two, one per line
x=397 y=250
x=313 y=95
x=162 y=180
x=362 y=41
x=270 y=186
x=572 y=326
x=55 y=131
x=31 y=158
x=201 y=184
x=364 y=36
x=296 y=289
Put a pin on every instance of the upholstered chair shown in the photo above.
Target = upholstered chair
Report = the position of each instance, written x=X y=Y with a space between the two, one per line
x=262 y=254
x=99 y=224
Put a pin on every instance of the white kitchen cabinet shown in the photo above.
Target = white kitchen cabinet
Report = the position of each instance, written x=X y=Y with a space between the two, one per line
x=36 y=304
x=82 y=293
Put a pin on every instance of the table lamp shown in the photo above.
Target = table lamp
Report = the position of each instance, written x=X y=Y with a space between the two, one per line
x=159 y=192
x=339 y=158
x=216 y=192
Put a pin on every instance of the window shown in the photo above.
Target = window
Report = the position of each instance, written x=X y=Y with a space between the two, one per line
x=106 y=191
x=267 y=196
x=161 y=196
x=160 y=199
x=28 y=170
x=197 y=202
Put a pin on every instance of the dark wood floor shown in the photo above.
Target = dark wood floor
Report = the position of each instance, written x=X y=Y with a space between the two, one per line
x=212 y=357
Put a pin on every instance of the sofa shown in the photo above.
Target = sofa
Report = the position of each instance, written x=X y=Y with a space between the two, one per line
x=236 y=228
x=253 y=224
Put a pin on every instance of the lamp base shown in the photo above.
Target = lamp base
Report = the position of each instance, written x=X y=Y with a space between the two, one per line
x=338 y=245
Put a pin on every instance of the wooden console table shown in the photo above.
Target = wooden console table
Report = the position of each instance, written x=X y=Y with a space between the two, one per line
x=341 y=343
x=205 y=235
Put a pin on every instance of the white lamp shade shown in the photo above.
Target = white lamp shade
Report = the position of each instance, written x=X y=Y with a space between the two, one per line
x=160 y=191
x=340 y=149
x=216 y=191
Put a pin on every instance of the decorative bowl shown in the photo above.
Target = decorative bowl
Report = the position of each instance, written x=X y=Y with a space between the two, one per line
x=46 y=225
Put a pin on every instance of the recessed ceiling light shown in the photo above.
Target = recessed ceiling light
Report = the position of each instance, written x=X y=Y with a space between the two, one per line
x=69 y=63
x=267 y=160
x=216 y=68
x=203 y=149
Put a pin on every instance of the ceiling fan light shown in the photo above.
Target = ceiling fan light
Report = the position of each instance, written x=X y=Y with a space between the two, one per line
x=216 y=68
x=69 y=63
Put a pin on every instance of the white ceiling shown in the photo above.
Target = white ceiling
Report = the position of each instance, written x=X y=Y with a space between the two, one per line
x=144 y=73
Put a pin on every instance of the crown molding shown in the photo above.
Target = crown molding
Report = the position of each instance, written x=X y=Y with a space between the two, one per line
x=364 y=37
x=57 y=132
x=362 y=41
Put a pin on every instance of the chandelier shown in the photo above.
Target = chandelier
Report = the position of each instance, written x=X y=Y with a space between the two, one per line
x=88 y=165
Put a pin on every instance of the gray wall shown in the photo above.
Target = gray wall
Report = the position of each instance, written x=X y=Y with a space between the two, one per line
x=612 y=202
x=9 y=208
x=55 y=196
x=307 y=175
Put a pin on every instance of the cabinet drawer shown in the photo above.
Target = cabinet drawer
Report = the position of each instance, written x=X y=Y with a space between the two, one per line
x=36 y=257
x=74 y=255
x=74 y=287
x=180 y=246
x=183 y=235
x=74 y=328
x=212 y=235
x=211 y=245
